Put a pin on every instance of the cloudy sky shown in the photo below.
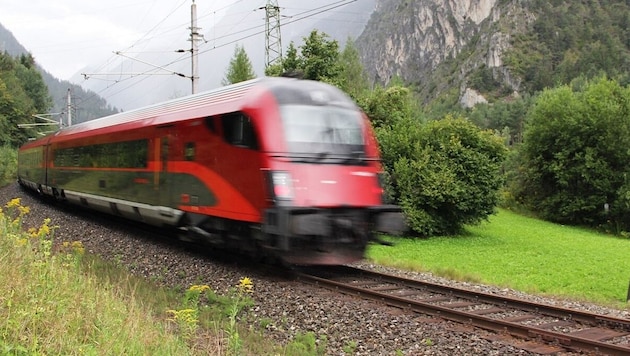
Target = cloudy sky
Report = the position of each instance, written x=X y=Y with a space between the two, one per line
x=76 y=40
x=67 y=35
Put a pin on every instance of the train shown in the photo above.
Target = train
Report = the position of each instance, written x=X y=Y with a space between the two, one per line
x=273 y=167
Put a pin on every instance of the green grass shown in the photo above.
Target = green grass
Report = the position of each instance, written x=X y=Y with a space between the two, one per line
x=57 y=300
x=523 y=253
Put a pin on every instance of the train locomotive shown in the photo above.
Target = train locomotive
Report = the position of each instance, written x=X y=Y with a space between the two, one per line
x=272 y=167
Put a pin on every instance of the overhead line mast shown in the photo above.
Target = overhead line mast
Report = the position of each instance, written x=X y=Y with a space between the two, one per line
x=273 y=42
x=194 y=51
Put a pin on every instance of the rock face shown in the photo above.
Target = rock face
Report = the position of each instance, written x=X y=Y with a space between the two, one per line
x=410 y=38
x=471 y=98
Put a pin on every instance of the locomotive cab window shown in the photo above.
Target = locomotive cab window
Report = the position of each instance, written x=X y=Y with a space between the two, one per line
x=238 y=130
x=328 y=134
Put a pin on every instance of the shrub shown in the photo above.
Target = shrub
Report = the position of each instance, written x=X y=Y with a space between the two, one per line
x=445 y=174
x=8 y=165
x=576 y=155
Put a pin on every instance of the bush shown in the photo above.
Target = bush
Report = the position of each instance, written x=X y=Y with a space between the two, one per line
x=576 y=155
x=445 y=174
x=8 y=165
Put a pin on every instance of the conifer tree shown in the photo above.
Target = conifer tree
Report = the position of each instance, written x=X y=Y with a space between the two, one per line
x=240 y=68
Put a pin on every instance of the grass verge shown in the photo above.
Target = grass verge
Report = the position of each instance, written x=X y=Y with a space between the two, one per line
x=55 y=299
x=49 y=306
x=523 y=253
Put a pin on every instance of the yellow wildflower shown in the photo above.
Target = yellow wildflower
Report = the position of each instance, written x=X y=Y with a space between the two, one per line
x=245 y=285
x=198 y=288
x=15 y=202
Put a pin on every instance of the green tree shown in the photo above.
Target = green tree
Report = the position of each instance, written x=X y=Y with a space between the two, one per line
x=33 y=83
x=240 y=68
x=576 y=155
x=507 y=116
x=447 y=173
x=352 y=76
x=320 y=57
x=22 y=94
x=385 y=108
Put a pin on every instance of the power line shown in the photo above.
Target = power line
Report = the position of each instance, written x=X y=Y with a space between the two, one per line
x=260 y=29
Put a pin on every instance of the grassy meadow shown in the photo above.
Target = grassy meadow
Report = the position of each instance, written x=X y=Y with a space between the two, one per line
x=523 y=253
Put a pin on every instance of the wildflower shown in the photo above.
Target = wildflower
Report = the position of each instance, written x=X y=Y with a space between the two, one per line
x=188 y=316
x=245 y=285
x=14 y=203
x=186 y=319
x=77 y=247
x=24 y=210
x=198 y=288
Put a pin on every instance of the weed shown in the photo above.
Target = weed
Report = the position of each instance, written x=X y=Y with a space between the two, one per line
x=350 y=347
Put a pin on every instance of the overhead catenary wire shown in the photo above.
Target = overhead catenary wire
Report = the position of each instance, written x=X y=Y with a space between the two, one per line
x=211 y=44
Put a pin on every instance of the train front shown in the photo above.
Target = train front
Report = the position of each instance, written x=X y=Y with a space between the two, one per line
x=324 y=178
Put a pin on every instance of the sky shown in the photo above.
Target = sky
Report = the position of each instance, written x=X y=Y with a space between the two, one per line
x=65 y=36
x=121 y=49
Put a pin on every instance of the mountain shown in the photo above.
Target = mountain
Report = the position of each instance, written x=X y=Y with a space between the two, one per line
x=464 y=52
x=235 y=28
x=85 y=104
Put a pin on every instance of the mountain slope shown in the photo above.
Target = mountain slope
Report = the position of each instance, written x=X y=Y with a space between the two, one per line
x=461 y=52
x=85 y=104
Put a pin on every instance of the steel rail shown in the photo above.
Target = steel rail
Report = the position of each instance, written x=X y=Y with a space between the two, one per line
x=565 y=340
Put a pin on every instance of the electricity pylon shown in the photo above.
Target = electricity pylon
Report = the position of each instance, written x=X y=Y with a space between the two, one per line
x=273 y=43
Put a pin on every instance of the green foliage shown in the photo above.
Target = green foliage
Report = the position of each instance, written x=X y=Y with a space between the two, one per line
x=576 y=155
x=386 y=106
x=306 y=344
x=240 y=68
x=318 y=59
x=22 y=94
x=445 y=174
x=353 y=78
x=570 y=39
x=51 y=305
x=506 y=117
x=8 y=165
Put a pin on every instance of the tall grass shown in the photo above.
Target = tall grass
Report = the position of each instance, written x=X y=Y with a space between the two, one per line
x=525 y=254
x=48 y=306
x=57 y=300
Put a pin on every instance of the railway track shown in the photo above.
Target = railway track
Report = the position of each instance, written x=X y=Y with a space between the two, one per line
x=557 y=328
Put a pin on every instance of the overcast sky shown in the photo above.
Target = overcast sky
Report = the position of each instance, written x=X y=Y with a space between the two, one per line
x=66 y=35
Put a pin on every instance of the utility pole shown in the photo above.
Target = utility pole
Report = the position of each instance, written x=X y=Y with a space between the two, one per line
x=68 y=109
x=273 y=43
x=194 y=52
x=195 y=37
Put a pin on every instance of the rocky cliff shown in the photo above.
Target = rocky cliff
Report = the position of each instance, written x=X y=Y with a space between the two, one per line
x=411 y=39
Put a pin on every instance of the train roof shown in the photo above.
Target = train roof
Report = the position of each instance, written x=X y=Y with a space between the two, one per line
x=226 y=99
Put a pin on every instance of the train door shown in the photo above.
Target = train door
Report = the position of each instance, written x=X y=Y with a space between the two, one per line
x=164 y=151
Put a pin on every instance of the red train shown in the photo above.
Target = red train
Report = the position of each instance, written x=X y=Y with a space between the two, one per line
x=276 y=167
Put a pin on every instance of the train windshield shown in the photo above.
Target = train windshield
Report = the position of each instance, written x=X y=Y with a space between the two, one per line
x=323 y=134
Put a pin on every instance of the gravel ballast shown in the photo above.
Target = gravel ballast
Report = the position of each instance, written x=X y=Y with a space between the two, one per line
x=286 y=308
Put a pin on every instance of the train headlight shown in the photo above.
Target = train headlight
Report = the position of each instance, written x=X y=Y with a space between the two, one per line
x=282 y=185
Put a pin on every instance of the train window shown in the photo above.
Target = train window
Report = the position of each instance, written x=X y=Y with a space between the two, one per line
x=189 y=151
x=127 y=154
x=238 y=130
